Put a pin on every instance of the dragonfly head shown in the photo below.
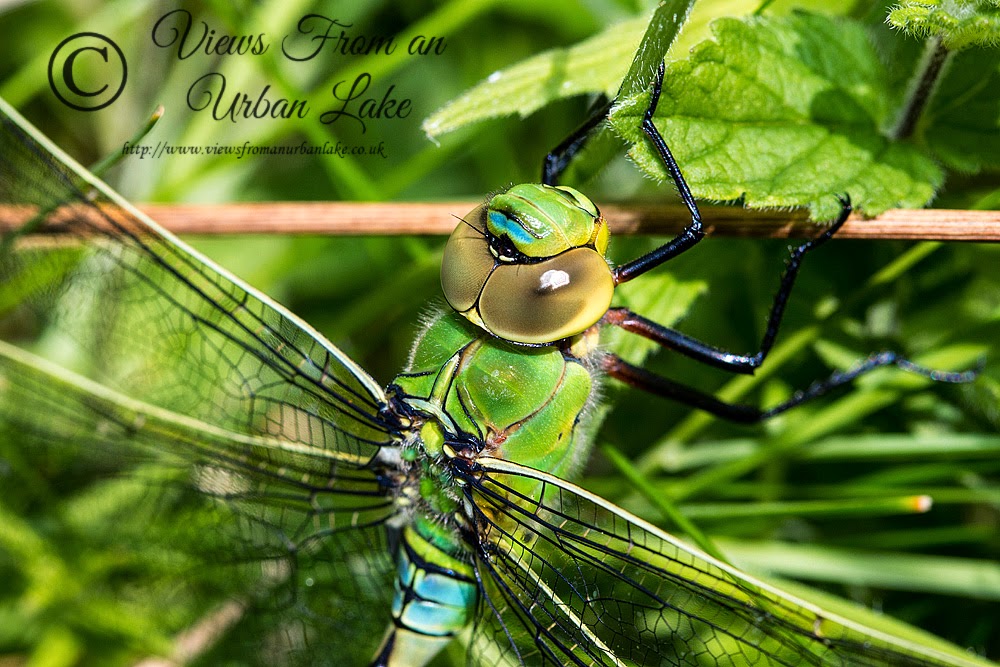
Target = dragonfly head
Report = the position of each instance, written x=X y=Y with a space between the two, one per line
x=528 y=266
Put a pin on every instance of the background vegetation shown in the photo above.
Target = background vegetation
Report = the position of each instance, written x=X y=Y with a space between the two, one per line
x=824 y=494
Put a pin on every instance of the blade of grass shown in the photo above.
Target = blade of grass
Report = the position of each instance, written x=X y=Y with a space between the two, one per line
x=666 y=508
x=929 y=574
x=859 y=507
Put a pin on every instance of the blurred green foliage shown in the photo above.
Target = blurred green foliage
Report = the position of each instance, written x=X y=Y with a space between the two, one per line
x=84 y=570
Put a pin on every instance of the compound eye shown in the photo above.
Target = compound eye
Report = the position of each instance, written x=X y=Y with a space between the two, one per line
x=549 y=300
x=467 y=261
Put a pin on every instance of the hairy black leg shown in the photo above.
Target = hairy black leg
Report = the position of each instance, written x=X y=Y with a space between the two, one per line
x=712 y=356
x=748 y=414
x=558 y=159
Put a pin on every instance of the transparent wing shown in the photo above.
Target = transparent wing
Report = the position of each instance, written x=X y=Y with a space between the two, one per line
x=290 y=528
x=144 y=314
x=570 y=579
x=127 y=346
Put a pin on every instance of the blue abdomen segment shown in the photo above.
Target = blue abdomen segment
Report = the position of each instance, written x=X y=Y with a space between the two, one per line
x=436 y=595
x=435 y=592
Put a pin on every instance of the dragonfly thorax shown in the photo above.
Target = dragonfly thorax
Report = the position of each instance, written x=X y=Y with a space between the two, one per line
x=528 y=266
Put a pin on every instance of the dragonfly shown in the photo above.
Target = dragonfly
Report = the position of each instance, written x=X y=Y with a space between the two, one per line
x=436 y=509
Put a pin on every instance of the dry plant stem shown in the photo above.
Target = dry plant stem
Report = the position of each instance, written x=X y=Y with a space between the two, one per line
x=361 y=219
x=201 y=637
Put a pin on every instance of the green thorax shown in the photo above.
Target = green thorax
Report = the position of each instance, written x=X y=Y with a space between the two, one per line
x=524 y=404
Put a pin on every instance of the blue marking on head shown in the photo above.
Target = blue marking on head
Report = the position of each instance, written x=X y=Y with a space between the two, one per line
x=501 y=224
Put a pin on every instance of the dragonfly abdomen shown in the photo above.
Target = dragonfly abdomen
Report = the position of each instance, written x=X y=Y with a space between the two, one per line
x=436 y=595
x=475 y=395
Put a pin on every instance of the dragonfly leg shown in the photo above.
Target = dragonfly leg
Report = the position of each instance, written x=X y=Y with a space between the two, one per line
x=558 y=158
x=691 y=234
x=748 y=414
x=712 y=356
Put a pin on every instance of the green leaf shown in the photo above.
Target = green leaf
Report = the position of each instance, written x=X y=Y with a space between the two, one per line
x=662 y=32
x=783 y=112
x=959 y=23
x=599 y=64
x=963 y=120
x=595 y=65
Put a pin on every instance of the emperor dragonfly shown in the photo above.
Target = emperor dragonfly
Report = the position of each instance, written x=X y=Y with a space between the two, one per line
x=453 y=472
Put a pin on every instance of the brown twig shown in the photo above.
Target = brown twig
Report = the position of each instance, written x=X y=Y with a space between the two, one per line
x=347 y=218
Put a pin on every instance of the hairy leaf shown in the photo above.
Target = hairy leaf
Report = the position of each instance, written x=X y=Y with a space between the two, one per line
x=783 y=112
